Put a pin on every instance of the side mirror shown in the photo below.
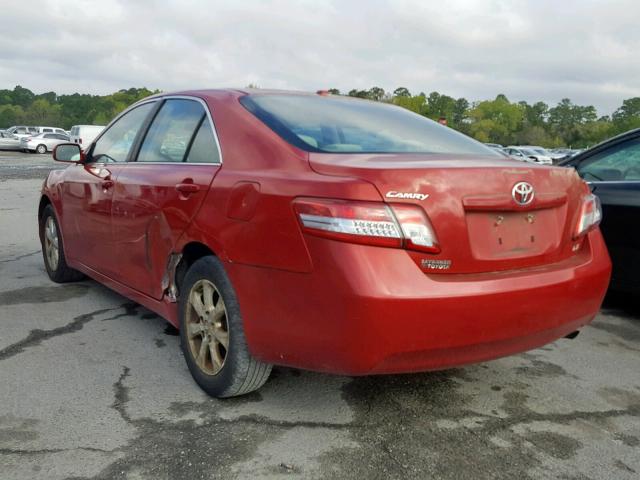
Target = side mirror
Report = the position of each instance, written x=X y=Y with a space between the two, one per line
x=68 y=152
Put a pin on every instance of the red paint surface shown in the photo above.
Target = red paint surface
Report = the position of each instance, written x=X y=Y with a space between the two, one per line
x=329 y=305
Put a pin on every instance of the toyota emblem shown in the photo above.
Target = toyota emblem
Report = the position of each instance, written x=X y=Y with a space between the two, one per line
x=522 y=193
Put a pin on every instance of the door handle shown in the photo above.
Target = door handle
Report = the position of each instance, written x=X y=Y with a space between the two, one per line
x=187 y=188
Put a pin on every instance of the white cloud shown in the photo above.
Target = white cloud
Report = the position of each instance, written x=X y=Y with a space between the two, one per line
x=529 y=50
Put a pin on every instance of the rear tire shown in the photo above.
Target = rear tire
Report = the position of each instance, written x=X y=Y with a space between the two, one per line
x=41 y=149
x=212 y=334
x=53 y=249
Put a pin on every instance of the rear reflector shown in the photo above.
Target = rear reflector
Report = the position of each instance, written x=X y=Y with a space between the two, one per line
x=368 y=223
x=590 y=215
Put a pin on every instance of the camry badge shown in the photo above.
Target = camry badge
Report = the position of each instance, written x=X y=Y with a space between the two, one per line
x=415 y=196
x=522 y=193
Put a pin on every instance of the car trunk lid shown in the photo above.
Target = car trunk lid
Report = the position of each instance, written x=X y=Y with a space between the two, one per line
x=470 y=201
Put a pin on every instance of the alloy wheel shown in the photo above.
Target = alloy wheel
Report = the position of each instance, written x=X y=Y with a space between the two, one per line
x=51 y=243
x=207 y=327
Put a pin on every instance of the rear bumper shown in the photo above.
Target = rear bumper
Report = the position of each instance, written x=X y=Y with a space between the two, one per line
x=371 y=310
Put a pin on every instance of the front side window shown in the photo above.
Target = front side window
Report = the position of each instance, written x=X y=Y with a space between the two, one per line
x=170 y=134
x=344 y=125
x=116 y=143
x=619 y=163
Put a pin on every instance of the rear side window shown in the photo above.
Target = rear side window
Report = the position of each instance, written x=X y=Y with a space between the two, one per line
x=346 y=125
x=171 y=132
x=115 y=144
x=48 y=130
x=49 y=135
x=204 y=148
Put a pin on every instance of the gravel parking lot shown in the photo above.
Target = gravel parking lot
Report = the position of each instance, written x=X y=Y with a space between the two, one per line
x=94 y=386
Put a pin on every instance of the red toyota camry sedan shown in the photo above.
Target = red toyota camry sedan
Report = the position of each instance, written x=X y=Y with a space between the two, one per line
x=323 y=232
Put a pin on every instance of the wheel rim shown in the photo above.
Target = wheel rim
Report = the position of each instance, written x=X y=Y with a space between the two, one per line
x=51 y=243
x=42 y=149
x=207 y=327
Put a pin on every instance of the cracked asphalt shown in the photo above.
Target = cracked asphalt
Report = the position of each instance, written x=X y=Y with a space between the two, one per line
x=93 y=386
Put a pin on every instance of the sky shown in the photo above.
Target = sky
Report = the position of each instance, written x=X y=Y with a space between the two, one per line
x=530 y=50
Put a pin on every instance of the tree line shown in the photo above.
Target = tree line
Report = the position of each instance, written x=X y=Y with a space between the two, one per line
x=21 y=106
x=496 y=121
x=515 y=123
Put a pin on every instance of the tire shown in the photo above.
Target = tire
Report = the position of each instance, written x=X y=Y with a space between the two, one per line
x=206 y=288
x=41 y=148
x=50 y=239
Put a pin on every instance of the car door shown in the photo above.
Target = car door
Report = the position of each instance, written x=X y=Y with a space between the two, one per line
x=614 y=176
x=88 y=191
x=50 y=140
x=157 y=195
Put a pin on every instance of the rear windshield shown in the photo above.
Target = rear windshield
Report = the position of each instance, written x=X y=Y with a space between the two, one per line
x=345 y=125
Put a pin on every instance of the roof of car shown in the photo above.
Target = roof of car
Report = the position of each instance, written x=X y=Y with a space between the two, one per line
x=234 y=92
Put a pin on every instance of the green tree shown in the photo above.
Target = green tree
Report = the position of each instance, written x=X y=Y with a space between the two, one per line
x=417 y=103
x=376 y=93
x=401 y=92
x=359 y=93
x=41 y=112
x=22 y=96
x=496 y=120
x=627 y=116
x=11 y=115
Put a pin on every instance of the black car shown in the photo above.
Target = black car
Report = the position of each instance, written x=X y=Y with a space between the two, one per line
x=612 y=169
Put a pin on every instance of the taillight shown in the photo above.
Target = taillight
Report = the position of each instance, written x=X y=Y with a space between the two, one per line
x=79 y=140
x=416 y=228
x=371 y=223
x=590 y=215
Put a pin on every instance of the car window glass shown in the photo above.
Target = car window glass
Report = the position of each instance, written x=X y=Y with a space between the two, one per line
x=47 y=130
x=115 y=144
x=335 y=124
x=171 y=131
x=619 y=163
x=204 y=148
x=49 y=135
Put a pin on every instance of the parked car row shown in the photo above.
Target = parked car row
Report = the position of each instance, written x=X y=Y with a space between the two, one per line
x=9 y=141
x=25 y=131
x=534 y=153
x=43 y=142
x=44 y=139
